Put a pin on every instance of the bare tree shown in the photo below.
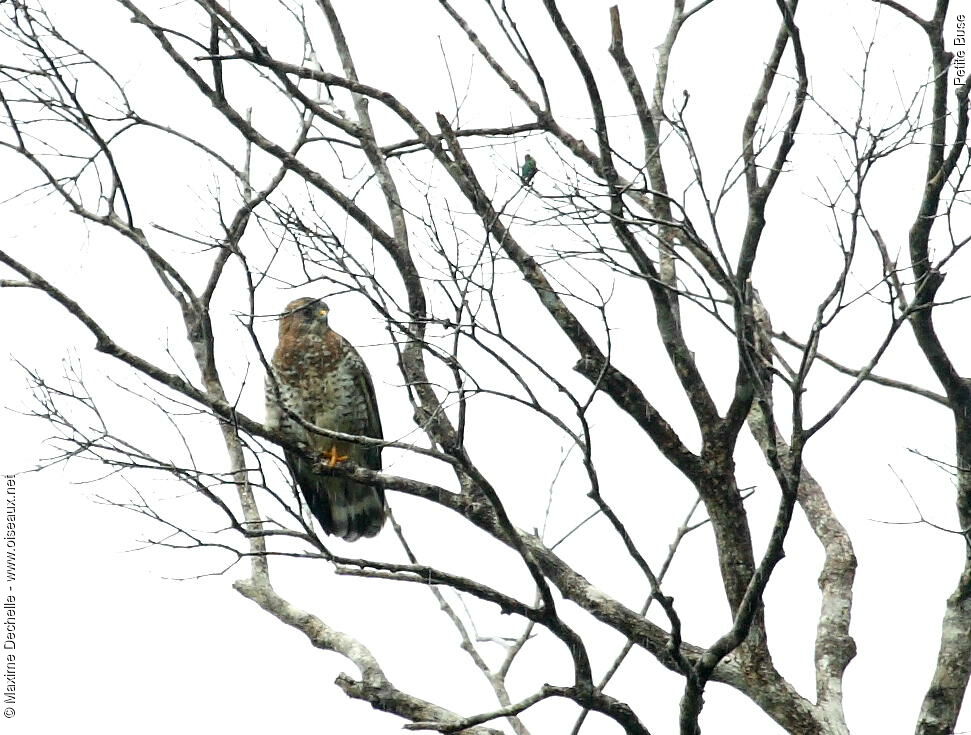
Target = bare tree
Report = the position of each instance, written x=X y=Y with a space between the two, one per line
x=515 y=305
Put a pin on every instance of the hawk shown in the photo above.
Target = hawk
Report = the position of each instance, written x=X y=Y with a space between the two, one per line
x=323 y=379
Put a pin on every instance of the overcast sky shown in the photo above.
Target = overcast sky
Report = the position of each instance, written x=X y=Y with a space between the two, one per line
x=116 y=636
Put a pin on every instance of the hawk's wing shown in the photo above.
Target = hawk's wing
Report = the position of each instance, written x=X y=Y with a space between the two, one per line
x=363 y=383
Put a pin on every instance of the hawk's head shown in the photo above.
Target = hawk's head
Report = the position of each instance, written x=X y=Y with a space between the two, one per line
x=305 y=313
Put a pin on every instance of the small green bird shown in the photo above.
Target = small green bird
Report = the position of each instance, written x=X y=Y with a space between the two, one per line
x=528 y=170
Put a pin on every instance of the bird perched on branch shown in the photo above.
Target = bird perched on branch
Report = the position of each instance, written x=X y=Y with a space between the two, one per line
x=322 y=379
x=528 y=171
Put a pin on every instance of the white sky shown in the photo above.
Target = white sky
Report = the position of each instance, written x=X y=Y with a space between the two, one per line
x=106 y=639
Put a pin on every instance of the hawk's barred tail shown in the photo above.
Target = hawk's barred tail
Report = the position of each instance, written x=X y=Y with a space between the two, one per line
x=343 y=507
x=359 y=510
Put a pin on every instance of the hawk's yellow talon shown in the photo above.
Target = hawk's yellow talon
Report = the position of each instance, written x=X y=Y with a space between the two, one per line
x=333 y=458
